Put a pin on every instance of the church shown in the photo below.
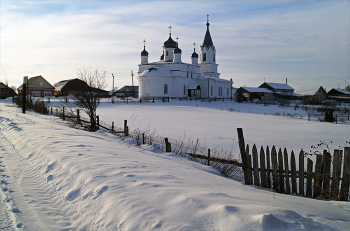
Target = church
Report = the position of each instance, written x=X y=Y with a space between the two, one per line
x=170 y=77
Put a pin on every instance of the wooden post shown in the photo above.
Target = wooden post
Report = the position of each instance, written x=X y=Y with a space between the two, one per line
x=143 y=138
x=280 y=171
x=167 y=145
x=274 y=169
x=317 y=178
x=327 y=159
x=293 y=173
x=249 y=165
x=140 y=100
x=255 y=166
x=337 y=159
x=78 y=116
x=243 y=155
x=98 y=122
x=126 y=128
x=268 y=167
x=262 y=167
x=286 y=170
x=112 y=127
x=301 y=173
x=208 y=157
x=309 y=178
x=344 y=191
x=63 y=117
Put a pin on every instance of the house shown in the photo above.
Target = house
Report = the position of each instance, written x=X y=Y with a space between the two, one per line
x=279 y=88
x=255 y=93
x=128 y=91
x=312 y=94
x=6 y=91
x=38 y=87
x=170 y=77
x=70 y=86
x=339 y=92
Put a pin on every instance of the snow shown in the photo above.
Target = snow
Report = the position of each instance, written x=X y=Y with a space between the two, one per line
x=307 y=90
x=279 y=86
x=257 y=90
x=54 y=177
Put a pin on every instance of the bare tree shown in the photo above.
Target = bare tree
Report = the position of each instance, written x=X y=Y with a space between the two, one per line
x=88 y=98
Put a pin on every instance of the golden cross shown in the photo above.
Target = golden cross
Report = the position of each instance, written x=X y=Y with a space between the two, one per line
x=170 y=29
x=207 y=17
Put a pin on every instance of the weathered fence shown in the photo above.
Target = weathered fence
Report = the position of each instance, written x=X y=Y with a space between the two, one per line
x=329 y=177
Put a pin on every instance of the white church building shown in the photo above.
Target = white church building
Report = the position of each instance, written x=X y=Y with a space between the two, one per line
x=170 y=77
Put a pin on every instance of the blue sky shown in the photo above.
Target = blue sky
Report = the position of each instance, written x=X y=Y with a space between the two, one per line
x=306 y=42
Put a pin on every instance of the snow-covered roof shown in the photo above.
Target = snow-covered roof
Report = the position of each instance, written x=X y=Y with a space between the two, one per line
x=257 y=90
x=307 y=90
x=213 y=78
x=346 y=92
x=193 y=87
x=156 y=71
x=279 y=86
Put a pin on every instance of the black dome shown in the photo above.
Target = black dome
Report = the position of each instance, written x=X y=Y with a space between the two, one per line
x=144 y=52
x=177 y=50
x=194 y=55
x=170 y=43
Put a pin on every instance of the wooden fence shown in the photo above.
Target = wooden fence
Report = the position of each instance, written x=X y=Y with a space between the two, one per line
x=276 y=170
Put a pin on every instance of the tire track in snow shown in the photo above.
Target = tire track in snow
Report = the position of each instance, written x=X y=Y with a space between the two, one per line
x=38 y=204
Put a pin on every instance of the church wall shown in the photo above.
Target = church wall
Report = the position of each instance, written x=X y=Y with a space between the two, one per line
x=154 y=86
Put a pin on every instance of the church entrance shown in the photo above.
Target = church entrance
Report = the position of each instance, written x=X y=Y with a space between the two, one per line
x=194 y=91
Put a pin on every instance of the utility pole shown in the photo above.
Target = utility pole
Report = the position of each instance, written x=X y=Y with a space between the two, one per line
x=132 y=82
x=24 y=94
x=113 y=83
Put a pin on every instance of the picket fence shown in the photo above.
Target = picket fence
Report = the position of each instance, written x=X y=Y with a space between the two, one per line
x=274 y=171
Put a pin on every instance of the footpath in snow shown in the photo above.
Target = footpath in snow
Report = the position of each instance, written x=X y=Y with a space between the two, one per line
x=58 y=178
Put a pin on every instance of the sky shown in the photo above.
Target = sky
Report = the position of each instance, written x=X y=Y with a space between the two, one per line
x=306 y=43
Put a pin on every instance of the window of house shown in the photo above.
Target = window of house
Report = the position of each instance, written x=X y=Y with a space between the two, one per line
x=204 y=57
x=165 y=88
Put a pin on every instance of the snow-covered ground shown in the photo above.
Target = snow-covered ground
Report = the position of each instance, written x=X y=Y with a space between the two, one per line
x=54 y=177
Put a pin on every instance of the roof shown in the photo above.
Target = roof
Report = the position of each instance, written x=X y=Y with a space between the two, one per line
x=308 y=90
x=256 y=90
x=213 y=78
x=194 y=87
x=177 y=50
x=194 y=54
x=156 y=71
x=342 y=91
x=170 y=43
x=144 y=52
x=277 y=86
x=58 y=86
x=125 y=89
x=207 y=41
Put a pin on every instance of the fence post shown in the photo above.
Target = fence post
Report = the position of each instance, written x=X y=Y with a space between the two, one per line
x=327 y=159
x=98 y=122
x=293 y=173
x=51 y=110
x=317 y=178
x=344 y=191
x=243 y=155
x=78 y=116
x=255 y=166
x=268 y=167
x=143 y=138
x=274 y=169
x=153 y=99
x=308 y=117
x=63 y=117
x=336 y=118
x=167 y=145
x=262 y=167
x=112 y=127
x=301 y=173
x=337 y=160
x=286 y=170
x=126 y=133
x=280 y=171
x=208 y=157
x=309 y=178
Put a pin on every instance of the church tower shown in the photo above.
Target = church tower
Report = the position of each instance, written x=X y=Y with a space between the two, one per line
x=168 y=48
x=144 y=54
x=207 y=62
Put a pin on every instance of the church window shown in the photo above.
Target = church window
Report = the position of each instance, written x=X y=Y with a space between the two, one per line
x=214 y=58
x=167 y=53
x=187 y=74
x=204 y=57
x=211 y=90
x=191 y=75
x=184 y=89
x=227 y=91
x=165 y=88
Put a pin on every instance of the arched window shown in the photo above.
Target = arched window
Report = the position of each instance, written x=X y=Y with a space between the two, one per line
x=184 y=89
x=228 y=92
x=204 y=57
x=211 y=90
x=167 y=53
x=214 y=58
x=165 y=88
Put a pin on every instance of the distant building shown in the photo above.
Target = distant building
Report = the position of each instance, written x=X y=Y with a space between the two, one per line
x=339 y=92
x=71 y=86
x=128 y=91
x=170 y=77
x=6 y=91
x=312 y=94
x=279 y=88
x=38 y=87
x=254 y=92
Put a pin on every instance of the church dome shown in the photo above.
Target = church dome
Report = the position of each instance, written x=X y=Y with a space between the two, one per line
x=194 y=55
x=144 y=52
x=156 y=72
x=177 y=50
x=170 y=43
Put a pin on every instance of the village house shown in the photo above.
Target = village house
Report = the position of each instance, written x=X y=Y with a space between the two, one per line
x=128 y=91
x=6 y=91
x=70 y=86
x=38 y=87
x=312 y=94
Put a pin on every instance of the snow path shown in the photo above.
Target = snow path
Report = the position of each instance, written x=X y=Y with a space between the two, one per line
x=70 y=179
